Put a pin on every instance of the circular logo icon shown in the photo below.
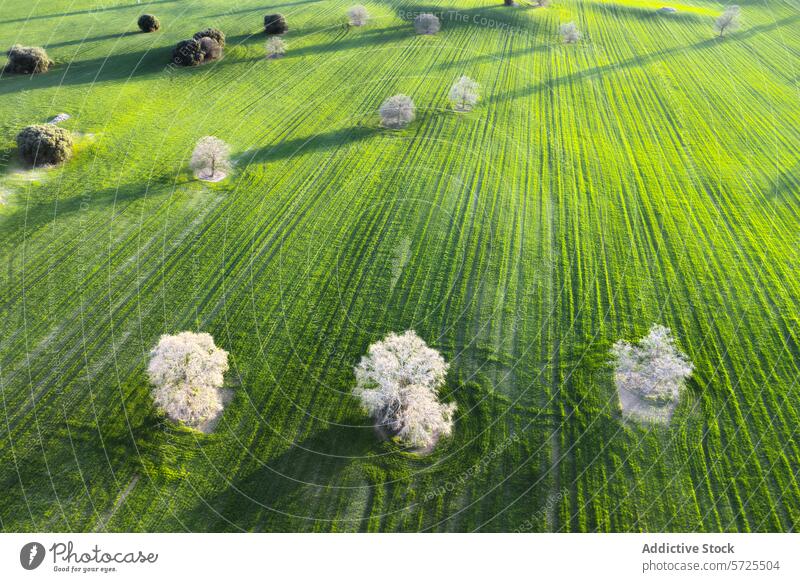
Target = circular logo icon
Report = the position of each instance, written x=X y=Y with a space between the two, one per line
x=31 y=555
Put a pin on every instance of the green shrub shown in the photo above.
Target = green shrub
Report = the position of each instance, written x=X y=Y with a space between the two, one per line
x=41 y=145
x=214 y=33
x=188 y=53
x=275 y=24
x=148 y=23
x=27 y=60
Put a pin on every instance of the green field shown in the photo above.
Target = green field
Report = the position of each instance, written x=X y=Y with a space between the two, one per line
x=648 y=174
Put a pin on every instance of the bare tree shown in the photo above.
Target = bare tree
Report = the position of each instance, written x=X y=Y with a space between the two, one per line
x=187 y=371
x=358 y=15
x=397 y=111
x=210 y=159
x=427 y=23
x=464 y=94
x=654 y=369
x=570 y=33
x=728 y=21
x=398 y=382
x=276 y=47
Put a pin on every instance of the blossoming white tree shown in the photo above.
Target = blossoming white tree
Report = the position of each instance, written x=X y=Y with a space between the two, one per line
x=427 y=23
x=358 y=15
x=276 y=47
x=728 y=21
x=211 y=159
x=187 y=371
x=569 y=32
x=464 y=94
x=397 y=111
x=398 y=383
x=655 y=368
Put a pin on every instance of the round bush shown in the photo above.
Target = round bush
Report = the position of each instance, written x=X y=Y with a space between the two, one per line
x=211 y=49
x=27 y=60
x=214 y=33
x=42 y=145
x=275 y=24
x=188 y=53
x=148 y=23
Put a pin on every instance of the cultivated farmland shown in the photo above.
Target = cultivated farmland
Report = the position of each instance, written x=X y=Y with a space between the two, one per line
x=646 y=174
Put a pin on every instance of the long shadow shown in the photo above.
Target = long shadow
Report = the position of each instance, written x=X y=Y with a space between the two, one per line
x=314 y=143
x=258 y=494
x=36 y=215
x=473 y=60
x=80 y=41
x=98 y=70
x=488 y=16
x=354 y=40
x=89 y=11
x=648 y=14
x=786 y=184
x=265 y=9
x=642 y=60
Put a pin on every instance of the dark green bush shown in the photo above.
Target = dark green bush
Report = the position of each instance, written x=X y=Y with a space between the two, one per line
x=211 y=49
x=275 y=24
x=148 y=23
x=41 y=145
x=214 y=33
x=187 y=53
x=27 y=60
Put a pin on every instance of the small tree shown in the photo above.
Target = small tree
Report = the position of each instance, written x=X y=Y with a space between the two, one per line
x=275 y=24
x=398 y=382
x=655 y=368
x=464 y=94
x=427 y=24
x=397 y=111
x=276 y=47
x=148 y=23
x=44 y=145
x=210 y=159
x=358 y=15
x=728 y=21
x=570 y=33
x=188 y=53
x=27 y=60
x=214 y=33
x=187 y=371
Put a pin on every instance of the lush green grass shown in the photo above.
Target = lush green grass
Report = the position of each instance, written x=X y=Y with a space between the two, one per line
x=648 y=174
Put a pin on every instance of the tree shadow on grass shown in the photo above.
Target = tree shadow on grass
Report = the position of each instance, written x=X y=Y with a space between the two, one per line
x=32 y=216
x=363 y=40
x=99 y=70
x=642 y=60
x=649 y=13
x=106 y=8
x=786 y=184
x=345 y=40
x=262 y=496
x=89 y=40
x=266 y=9
x=330 y=141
